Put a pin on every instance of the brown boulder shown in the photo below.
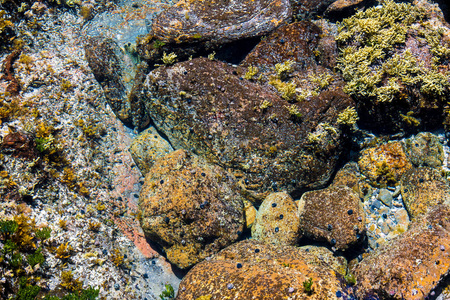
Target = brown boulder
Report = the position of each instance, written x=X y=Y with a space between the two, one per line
x=254 y=270
x=206 y=106
x=334 y=214
x=189 y=207
x=422 y=189
x=412 y=265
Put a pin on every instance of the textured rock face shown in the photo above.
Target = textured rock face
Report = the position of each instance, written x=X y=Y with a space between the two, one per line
x=411 y=266
x=147 y=147
x=277 y=220
x=190 y=27
x=425 y=149
x=253 y=270
x=205 y=106
x=384 y=164
x=334 y=214
x=190 y=208
x=107 y=62
x=422 y=189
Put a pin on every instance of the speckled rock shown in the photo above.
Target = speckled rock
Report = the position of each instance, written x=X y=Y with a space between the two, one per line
x=192 y=26
x=385 y=164
x=385 y=196
x=277 y=220
x=341 y=223
x=108 y=64
x=205 y=106
x=190 y=208
x=337 y=263
x=147 y=147
x=308 y=9
x=254 y=270
x=349 y=176
x=250 y=213
x=342 y=8
x=423 y=188
x=412 y=265
x=424 y=149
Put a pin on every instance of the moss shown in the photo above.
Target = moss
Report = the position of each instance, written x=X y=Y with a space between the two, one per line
x=308 y=286
x=168 y=293
x=169 y=59
x=286 y=89
x=294 y=111
x=63 y=251
x=283 y=69
x=265 y=104
x=409 y=119
x=117 y=258
x=70 y=283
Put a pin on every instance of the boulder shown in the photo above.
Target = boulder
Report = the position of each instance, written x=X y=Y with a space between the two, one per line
x=422 y=189
x=270 y=144
x=334 y=214
x=277 y=220
x=411 y=266
x=424 y=149
x=189 y=207
x=254 y=270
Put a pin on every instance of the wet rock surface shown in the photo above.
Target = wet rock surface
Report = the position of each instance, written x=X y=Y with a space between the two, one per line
x=422 y=189
x=107 y=61
x=147 y=147
x=189 y=207
x=385 y=164
x=190 y=27
x=254 y=270
x=277 y=220
x=410 y=266
x=424 y=149
x=333 y=214
x=205 y=106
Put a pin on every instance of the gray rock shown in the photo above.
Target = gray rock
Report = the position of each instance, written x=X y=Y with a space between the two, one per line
x=385 y=196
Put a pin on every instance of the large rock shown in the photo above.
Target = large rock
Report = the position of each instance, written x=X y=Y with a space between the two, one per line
x=425 y=149
x=191 y=208
x=334 y=214
x=254 y=270
x=112 y=70
x=422 y=189
x=412 y=265
x=192 y=26
x=201 y=105
x=277 y=220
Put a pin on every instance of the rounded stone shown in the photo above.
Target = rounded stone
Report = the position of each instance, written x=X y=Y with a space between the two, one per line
x=269 y=227
x=171 y=213
x=425 y=149
x=321 y=208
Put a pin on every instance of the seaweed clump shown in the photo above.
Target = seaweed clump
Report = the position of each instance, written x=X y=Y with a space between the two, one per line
x=394 y=62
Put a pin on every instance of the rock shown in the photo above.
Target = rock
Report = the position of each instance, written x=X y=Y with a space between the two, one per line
x=412 y=265
x=337 y=263
x=108 y=64
x=397 y=78
x=205 y=106
x=147 y=147
x=250 y=214
x=277 y=220
x=385 y=164
x=341 y=224
x=189 y=207
x=308 y=9
x=423 y=188
x=190 y=27
x=349 y=176
x=254 y=270
x=425 y=149
x=385 y=196
x=402 y=223
x=343 y=8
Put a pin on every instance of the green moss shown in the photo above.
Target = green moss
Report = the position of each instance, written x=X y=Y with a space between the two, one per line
x=308 y=286
x=348 y=117
x=168 y=293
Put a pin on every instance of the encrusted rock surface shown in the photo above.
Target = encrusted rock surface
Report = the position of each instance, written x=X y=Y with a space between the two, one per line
x=254 y=270
x=384 y=164
x=147 y=147
x=412 y=265
x=424 y=149
x=277 y=220
x=422 y=189
x=334 y=214
x=191 y=208
x=205 y=106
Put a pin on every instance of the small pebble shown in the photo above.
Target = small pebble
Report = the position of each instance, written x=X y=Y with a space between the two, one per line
x=291 y=290
x=230 y=286
x=281 y=217
x=350 y=212
x=339 y=294
x=330 y=227
x=203 y=174
x=333 y=242
x=239 y=265
x=257 y=250
x=116 y=286
x=274 y=205
x=276 y=229
x=442 y=248
x=161 y=182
